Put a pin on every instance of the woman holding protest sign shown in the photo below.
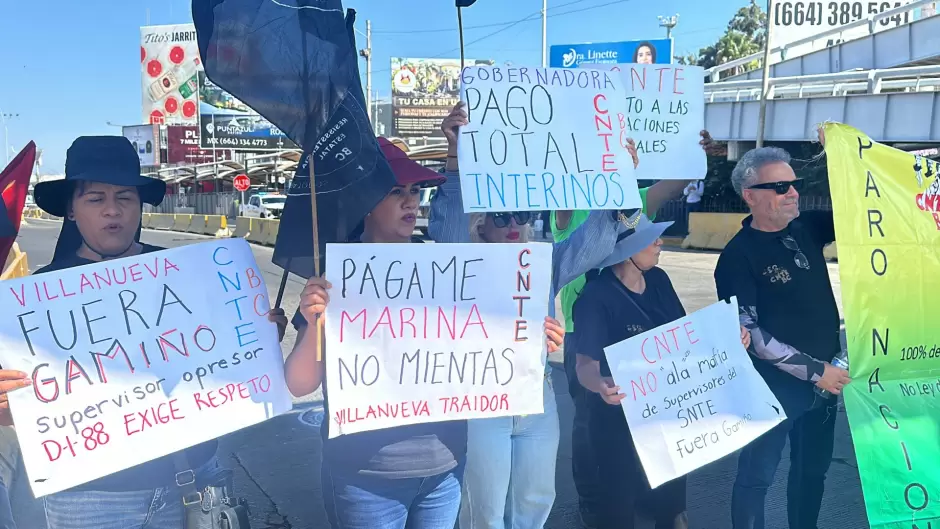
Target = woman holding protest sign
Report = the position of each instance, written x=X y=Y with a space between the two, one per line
x=394 y=477
x=617 y=303
x=101 y=202
x=510 y=475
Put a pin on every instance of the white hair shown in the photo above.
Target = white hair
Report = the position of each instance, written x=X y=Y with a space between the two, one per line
x=476 y=226
x=744 y=174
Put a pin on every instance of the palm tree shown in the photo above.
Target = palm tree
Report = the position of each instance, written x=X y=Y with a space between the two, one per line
x=751 y=21
x=734 y=45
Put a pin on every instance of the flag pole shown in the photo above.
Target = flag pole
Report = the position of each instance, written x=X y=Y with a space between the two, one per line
x=460 y=30
x=316 y=249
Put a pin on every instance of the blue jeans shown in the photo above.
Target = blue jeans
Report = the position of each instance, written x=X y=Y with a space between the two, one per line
x=160 y=508
x=370 y=502
x=510 y=478
x=6 y=510
x=811 y=441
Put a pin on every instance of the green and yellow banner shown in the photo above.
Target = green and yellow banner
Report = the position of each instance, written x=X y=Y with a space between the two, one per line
x=887 y=215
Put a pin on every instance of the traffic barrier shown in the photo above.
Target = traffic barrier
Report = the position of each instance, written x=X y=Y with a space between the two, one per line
x=145 y=220
x=271 y=227
x=216 y=226
x=197 y=224
x=242 y=227
x=16 y=264
x=181 y=222
x=256 y=231
x=713 y=231
x=161 y=221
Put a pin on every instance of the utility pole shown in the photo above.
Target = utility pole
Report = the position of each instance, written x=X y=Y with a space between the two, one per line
x=367 y=54
x=765 y=83
x=544 y=33
x=669 y=23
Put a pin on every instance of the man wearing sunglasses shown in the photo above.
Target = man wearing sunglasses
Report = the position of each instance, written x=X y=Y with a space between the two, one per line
x=775 y=267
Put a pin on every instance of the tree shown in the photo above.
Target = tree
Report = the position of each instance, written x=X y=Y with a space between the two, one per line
x=689 y=59
x=735 y=45
x=751 y=21
x=745 y=35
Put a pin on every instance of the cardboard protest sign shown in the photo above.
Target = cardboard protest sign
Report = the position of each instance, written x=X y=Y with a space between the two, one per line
x=137 y=358
x=665 y=116
x=543 y=139
x=692 y=393
x=434 y=332
x=886 y=207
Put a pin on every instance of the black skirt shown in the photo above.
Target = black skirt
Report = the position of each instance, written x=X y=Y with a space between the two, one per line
x=624 y=485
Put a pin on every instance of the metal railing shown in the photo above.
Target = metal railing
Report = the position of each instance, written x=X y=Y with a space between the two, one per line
x=713 y=73
x=915 y=78
x=198 y=204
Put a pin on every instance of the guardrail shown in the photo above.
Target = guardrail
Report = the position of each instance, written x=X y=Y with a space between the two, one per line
x=871 y=22
x=916 y=78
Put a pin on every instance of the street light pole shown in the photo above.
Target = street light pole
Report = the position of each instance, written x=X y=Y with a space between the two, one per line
x=765 y=80
x=669 y=23
x=544 y=33
x=6 y=134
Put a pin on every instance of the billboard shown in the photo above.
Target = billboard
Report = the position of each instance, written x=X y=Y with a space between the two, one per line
x=146 y=141
x=423 y=93
x=183 y=146
x=175 y=92
x=169 y=59
x=227 y=123
x=589 y=55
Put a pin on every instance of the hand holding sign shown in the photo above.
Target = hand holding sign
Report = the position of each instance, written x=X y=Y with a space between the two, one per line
x=10 y=380
x=554 y=334
x=314 y=298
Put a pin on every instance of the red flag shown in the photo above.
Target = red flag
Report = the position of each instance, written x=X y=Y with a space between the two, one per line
x=14 y=185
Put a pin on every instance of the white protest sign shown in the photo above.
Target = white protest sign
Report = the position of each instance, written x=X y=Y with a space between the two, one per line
x=543 y=139
x=434 y=332
x=137 y=358
x=665 y=116
x=692 y=393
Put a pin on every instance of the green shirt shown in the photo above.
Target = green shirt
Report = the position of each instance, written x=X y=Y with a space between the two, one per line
x=570 y=292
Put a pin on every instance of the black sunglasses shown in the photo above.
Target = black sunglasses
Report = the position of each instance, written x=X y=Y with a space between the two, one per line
x=781 y=188
x=501 y=220
x=799 y=258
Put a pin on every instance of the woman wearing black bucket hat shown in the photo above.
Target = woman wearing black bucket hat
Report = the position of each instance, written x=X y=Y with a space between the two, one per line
x=101 y=202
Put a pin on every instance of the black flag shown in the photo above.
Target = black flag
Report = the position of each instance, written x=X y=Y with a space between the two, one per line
x=465 y=3
x=295 y=63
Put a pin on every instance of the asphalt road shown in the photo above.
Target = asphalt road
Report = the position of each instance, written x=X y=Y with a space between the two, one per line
x=277 y=462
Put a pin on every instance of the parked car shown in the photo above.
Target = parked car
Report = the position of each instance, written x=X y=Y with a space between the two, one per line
x=263 y=205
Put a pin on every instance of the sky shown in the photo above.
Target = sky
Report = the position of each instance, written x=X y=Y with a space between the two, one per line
x=69 y=68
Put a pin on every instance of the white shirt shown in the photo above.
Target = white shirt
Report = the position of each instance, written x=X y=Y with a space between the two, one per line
x=694 y=192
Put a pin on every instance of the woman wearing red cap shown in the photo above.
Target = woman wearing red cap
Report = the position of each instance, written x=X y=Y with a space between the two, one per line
x=407 y=475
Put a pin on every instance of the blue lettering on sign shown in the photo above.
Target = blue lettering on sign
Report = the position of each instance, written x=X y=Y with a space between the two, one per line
x=502 y=191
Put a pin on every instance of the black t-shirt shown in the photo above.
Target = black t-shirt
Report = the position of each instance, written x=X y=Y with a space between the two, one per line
x=795 y=305
x=607 y=312
x=160 y=472
x=413 y=451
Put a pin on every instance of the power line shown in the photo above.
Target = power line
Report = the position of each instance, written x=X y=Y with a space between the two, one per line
x=482 y=26
x=517 y=22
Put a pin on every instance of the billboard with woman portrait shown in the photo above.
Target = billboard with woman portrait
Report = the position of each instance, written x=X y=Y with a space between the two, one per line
x=589 y=55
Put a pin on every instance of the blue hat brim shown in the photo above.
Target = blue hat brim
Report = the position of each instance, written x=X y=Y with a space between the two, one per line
x=54 y=196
